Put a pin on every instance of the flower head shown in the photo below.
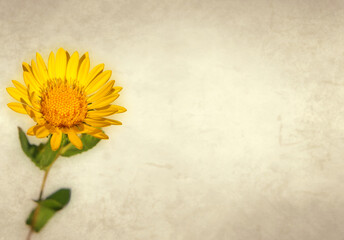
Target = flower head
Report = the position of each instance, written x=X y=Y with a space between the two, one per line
x=65 y=97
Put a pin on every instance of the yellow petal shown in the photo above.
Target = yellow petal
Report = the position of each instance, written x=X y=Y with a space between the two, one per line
x=119 y=109
x=51 y=66
x=104 y=101
x=78 y=128
x=83 y=71
x=101 y=122
x=95 y=114
x=112 y=109
x=42 y=69
x=95 y=132
x=27 y=68
x=102 y=92
x=118 y=89
x=88 y=129
x=72 y=68
x=17 y=107
x=96 y=122
x=113 y=122
x=30 y=80
x=41 y=131
x=99 y=135
x=30 y=112
x=55 y=141
x=16 y=94
x=75 y=140
x=64 y=130
x=39 y=78
x=99 y=81
x=19 y=86
x=30 y=131
x=35 y=100
x=83 y=57
x=94 y=73
x=35 y=115
x=61 y=64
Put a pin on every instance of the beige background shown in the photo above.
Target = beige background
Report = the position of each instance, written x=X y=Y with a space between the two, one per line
x=234 y=129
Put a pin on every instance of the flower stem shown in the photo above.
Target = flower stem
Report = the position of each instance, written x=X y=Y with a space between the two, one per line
x=35 y=214
x=29 y=235
x=45 y=178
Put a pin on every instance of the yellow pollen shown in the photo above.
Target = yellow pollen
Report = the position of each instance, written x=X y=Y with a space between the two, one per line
x=63 y=105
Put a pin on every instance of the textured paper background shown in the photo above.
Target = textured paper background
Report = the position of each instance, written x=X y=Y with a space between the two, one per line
x=234 y=127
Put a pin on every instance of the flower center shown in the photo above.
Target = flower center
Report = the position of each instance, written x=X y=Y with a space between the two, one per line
x=63 y=105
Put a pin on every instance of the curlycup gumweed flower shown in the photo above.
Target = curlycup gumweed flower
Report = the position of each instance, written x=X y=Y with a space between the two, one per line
x=65 y=97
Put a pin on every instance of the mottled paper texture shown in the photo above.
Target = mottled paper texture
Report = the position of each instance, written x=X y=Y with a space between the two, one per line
x=234 y=128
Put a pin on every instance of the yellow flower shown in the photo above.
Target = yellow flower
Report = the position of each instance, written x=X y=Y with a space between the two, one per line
x=66 y=97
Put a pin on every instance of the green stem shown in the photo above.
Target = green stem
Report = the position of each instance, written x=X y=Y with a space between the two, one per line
x=65 y=148
x=35 y=214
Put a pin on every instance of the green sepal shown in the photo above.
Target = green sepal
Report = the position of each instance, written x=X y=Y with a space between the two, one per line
x=48 y=207
x=42 y=155
x=88 y=142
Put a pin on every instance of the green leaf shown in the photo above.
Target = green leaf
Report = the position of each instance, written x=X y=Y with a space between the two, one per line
x=42 y=155
x=29 y=149
x=51 y=203
x=48 y=207
x=43 y=216
x=45 y=155
x=88 y=142
x=61 y=196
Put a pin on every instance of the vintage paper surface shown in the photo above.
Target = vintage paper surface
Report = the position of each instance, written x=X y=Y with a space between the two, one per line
x=234 y=128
